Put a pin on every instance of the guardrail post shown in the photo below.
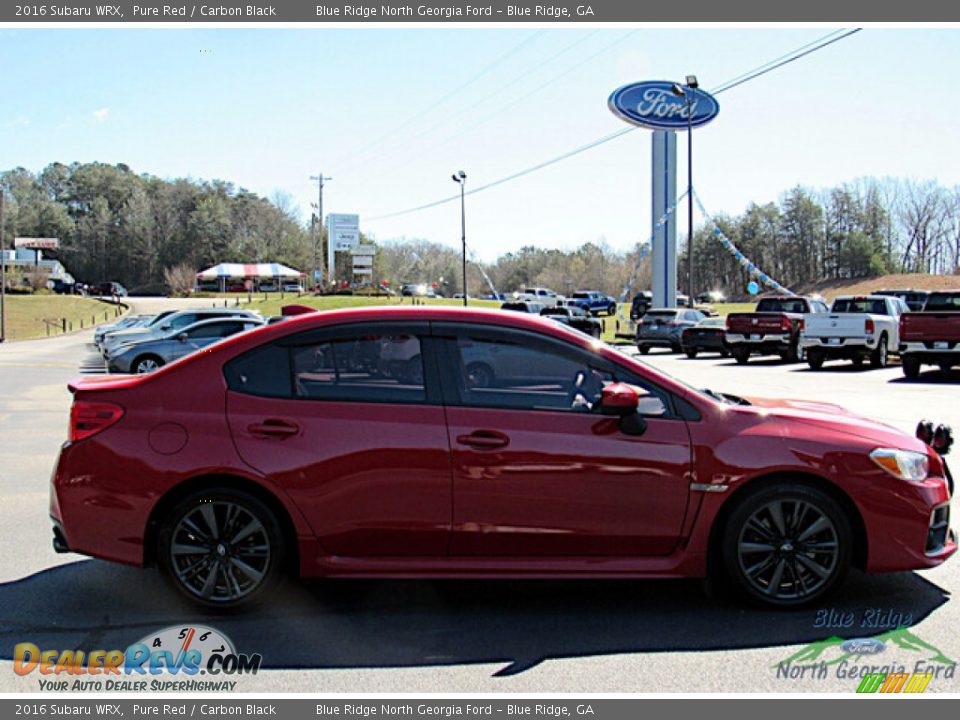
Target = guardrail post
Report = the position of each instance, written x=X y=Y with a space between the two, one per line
x=81 y=323
x=63 y=323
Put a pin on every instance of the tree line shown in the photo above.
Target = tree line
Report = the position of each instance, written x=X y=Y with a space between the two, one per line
x=115 y=224
x=140 y=230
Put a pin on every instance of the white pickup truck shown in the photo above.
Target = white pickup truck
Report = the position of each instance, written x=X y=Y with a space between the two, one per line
x=857 y=327
x=544 y=296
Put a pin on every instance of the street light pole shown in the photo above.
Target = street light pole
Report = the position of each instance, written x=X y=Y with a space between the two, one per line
x=687 y=92
x=461 y=179
x=320 y=179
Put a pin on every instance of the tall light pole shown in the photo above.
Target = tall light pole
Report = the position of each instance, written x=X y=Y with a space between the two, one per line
x=688 y=92
x=320 y=180
x=461 y=179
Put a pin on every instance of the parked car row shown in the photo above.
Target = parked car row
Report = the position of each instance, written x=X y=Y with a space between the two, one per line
x=856 y=328
x=570 y=315
x=144 y=343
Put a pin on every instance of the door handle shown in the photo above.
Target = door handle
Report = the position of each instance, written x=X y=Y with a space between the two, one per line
x=274 y=428
x=484 y=439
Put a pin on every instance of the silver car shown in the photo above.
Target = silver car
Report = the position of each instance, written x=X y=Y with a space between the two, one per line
x=174 y=321
x=148 y=355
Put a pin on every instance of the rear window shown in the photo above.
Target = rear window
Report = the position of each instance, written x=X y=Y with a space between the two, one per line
x=661 y=315
x=872 y=307
x=943 y=302
x=787 y=305
x=581 y=295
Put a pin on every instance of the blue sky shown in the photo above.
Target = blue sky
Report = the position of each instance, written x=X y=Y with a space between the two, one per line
x=390 y=113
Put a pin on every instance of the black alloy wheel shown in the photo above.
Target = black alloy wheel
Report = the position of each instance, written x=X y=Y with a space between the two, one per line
x=787 y=545
x=222 y=548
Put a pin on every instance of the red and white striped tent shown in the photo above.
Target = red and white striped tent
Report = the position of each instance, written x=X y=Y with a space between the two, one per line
x=249 y=271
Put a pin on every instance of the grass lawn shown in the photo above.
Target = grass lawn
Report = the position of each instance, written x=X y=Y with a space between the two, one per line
x=26 y=314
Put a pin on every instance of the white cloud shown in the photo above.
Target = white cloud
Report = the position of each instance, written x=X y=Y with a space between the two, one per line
x=101 y=115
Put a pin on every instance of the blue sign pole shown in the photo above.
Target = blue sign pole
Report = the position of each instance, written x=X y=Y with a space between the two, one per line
x=664 y=186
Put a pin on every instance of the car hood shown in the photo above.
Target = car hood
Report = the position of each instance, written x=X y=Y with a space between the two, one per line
x=125 y=336
x=833 y=418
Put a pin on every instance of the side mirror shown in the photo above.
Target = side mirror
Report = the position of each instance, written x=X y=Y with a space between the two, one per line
x=166 y=326
x=619 y=400
x=182 y=337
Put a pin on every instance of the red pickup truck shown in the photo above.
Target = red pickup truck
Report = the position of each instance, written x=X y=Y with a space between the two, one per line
x=932 y=336
x=772 y=329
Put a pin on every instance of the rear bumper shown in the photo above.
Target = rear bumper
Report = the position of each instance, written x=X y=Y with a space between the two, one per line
x=845 y=348
x=925 y=353
x=759 y=342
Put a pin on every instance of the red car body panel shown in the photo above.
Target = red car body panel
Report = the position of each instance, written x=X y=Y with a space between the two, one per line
x=400 y=491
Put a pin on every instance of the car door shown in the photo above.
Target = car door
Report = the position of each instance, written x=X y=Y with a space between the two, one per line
x=537 y=470
x=349 y=422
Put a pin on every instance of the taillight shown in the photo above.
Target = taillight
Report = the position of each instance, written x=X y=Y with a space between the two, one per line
x=903 y=325
x=728 y=323
x=785 y=324
x=89 y=418
x=868 y=326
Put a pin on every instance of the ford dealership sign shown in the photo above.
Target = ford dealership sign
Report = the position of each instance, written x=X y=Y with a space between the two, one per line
x=654 y=105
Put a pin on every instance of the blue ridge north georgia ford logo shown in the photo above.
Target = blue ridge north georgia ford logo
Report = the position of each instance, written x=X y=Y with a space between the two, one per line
x=653 y=104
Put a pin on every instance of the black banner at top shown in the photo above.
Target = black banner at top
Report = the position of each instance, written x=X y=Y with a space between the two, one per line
x=476 y=11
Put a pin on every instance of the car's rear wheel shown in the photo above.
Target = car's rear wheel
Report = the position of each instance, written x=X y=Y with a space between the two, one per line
x=741 y=355
x=857 y=361
x=911 y=367
x=147 y=364
x=787 y=545
x=644 y=349
x=879 y=357
x=790 y=355
x=691 y=353
x=815 y=358
x=222 y=548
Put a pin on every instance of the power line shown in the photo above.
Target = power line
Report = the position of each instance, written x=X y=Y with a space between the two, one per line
x=397 y=128
x=787 y=61
x=446 y=118
x=763 y=69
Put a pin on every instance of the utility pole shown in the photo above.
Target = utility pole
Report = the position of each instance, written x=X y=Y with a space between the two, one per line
x=320 y=180
x=3 y=276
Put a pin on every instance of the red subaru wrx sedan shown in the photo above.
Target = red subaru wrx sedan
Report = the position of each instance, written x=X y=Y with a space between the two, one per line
x=441 y=442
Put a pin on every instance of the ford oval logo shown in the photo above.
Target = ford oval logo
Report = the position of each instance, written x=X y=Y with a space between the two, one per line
x=653 y=104
x=863 y=646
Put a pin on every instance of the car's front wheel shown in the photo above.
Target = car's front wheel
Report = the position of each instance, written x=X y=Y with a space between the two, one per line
x=147 y=364
x=787 y=545
x=222 y=548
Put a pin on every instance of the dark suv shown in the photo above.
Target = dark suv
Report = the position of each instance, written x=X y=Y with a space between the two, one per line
x=663 y=327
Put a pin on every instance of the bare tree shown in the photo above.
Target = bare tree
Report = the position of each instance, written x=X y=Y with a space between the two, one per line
x=181 y=278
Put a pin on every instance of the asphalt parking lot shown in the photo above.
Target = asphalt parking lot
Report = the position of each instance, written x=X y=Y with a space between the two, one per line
x=544 y=636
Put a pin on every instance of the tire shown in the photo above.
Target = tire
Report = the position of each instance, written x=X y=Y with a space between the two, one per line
x=644 y=349
x=676 y=349
x=879 y=357
x=691 y=353
x=612 y=310
x=741 y=355
x=790 y=355
x=815 y=359
x=724 y=353
x=234 y=538
x=786 y=545
x=857 y=361
x=146 y=364
x=911 y=367
x=945 y=368
x=479 y=375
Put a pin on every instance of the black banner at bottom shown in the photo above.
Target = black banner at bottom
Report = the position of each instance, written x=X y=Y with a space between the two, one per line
x=467 y=709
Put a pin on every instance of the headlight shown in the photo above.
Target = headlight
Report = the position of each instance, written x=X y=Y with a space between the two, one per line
x=904 y=464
